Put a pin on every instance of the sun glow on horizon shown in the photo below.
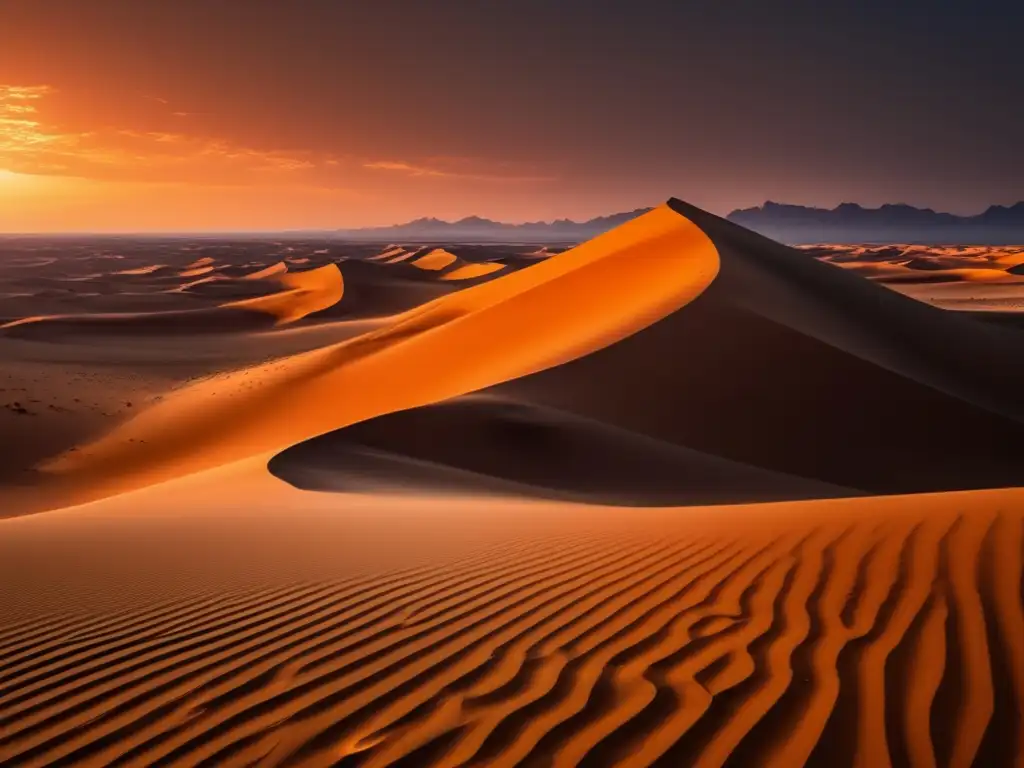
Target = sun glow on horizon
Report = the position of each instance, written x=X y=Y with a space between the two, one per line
x=63 y=170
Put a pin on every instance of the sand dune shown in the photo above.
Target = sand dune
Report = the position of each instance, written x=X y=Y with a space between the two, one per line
x=622 y=280
x=974 y=275
x=879 y=270
x=856 y=387
x=380 y=289
x=272 y=271
x=469 y=590
x=982 y=278
x=206 y=320
x=472 y=271
x=305 y=293
x=943 y=415
x=388 y=253
x=877 y=632
x=405 y=256
x=196 y=271
x=436 y=260
x=148 y=270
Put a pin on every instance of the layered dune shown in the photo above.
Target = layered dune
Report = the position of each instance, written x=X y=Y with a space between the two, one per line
x=456 y=537
x=621 y=280
x=305 y=293
x=471 y=271
x=436 y=260
x=980 y=278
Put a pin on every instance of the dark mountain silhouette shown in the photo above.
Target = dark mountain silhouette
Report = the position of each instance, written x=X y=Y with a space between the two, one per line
x=476 y=229
x=792 y=224
x=892 y=223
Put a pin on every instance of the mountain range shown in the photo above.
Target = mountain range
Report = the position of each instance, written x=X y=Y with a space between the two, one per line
x=891 y=223
x=792 y=224
x=476 y=229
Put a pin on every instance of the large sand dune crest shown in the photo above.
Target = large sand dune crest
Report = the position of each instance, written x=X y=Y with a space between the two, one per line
x=495 y=331
x=974 y=362
x=782 y=363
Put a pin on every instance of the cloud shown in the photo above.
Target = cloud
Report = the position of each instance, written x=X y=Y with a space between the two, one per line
x=31 y=145
x=34 y=142
x=466 y=169
x=412 y=170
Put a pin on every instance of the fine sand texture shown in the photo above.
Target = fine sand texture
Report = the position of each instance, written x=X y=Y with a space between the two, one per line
x=226 y=621
x=678 y=496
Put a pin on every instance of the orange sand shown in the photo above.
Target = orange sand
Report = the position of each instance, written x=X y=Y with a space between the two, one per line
x=186 y=607
x=436 y=260
x=195 y=272
x=389 y=253
x=621 y=280
x=304 y=294
x=272 y=271
x=140 y=270
x=229 y=619
x=400 y=257
x=470 y=271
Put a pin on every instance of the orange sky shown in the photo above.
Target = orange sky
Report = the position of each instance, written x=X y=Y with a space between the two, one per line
x=62 y=171
x=161 y=115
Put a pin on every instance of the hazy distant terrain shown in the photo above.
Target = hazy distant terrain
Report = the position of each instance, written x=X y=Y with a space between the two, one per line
x=474 y=228
x=894 y=223
x=792 y=224
x=961 y=277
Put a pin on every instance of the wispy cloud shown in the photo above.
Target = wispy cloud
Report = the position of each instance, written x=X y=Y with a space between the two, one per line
x=401 y=167
x=29 y=144
x=468 y=169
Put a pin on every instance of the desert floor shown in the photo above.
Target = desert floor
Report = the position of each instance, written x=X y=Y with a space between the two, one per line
x=676 y=496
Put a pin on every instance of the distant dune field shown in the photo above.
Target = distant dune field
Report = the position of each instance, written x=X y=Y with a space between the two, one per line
x=678 y=496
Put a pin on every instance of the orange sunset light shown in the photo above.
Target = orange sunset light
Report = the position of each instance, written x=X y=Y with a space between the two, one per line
x=66 y=169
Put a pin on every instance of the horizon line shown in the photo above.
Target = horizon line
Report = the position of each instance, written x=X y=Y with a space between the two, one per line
x=367 y=228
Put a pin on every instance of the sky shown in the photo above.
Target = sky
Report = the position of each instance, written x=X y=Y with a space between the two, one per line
x=227 y=115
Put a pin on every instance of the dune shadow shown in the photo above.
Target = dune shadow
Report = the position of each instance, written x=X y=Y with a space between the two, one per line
x=490 y=445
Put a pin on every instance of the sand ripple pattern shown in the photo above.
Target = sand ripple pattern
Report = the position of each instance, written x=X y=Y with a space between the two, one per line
x=863 y=641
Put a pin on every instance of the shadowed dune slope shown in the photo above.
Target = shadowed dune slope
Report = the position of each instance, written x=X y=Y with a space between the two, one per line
x=782 y=363
x=479 y=444
x=375 y=289
x=971 y=361
x=172 y=322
